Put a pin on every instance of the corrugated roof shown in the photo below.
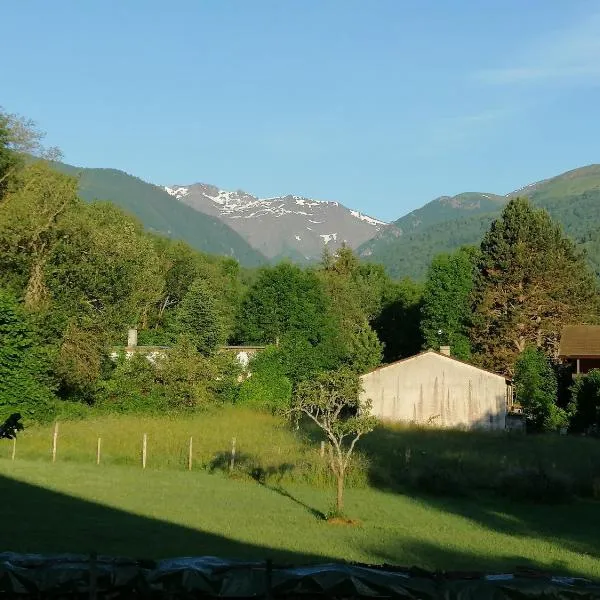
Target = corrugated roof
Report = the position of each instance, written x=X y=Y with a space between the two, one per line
x=581 y=341
x=443 y=356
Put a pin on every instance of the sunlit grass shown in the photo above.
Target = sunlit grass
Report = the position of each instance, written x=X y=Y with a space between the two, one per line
x=262 y=442
x=122 y=510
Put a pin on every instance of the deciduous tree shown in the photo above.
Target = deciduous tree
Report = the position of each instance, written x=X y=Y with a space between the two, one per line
x=446 y=304
x=332 y=401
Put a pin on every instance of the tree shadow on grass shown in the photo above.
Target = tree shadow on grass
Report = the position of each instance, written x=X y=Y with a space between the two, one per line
x=269 y=477
x=465 y=473
x=38 y=520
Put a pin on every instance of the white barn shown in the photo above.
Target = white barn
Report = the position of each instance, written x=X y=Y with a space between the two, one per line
x=436 y=389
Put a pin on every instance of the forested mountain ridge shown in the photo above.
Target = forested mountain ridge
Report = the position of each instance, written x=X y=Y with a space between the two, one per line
x=161 y=213
x=446 y=223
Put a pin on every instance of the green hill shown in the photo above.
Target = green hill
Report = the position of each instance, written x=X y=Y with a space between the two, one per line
x=444 y=224
x=162 y=213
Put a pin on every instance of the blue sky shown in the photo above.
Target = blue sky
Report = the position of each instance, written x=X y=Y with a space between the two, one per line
x=379 y=104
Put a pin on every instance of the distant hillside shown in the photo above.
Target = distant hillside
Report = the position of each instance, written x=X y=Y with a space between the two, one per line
x=449 y=208
x=161 y=213
x=446 y=223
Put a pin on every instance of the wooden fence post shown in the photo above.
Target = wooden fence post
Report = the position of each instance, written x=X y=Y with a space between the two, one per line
x=232 y=462
x=144 y=450
x=190 y=453
x=54 y=442
x=98 y=449
x=14 y=448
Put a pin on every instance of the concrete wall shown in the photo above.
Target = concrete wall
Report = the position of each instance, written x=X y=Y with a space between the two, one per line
x=439 y=391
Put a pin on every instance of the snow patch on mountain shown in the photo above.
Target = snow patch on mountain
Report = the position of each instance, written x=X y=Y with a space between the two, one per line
x=366 y=218
x=328 y=237
x=178 y=192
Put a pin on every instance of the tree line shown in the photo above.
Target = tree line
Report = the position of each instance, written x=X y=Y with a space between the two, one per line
x=76 y=275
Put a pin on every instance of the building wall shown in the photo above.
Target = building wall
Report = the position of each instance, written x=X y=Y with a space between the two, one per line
x=437 y=390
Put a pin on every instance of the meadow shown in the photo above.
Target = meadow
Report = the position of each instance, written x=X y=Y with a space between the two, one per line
x=419 y=497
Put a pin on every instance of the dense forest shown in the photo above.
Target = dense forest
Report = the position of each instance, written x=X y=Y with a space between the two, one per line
x=75 y=275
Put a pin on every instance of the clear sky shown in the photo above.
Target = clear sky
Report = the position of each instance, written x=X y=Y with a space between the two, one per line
x=379 y=104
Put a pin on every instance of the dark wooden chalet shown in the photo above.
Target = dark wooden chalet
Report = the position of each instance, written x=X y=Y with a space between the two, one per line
x=580 y=347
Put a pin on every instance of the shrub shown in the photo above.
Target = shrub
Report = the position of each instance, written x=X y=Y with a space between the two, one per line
x=536 y=388
x=584 y=408
x=267 y=387
x=25 y=382
x=131 y=387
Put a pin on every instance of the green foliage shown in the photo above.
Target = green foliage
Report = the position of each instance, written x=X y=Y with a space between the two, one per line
x=584 y=408
x=267 y=388
x=398 y=323
x=283 y=300
x=198 y=318
x=25 y=383
x=531 y=281
x=187 y=379
x=131 y=387
x=332 y=401
x=536 y=390
x=446 y=304
x=355 y=293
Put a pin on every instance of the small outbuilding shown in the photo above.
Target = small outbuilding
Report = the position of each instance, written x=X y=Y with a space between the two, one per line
x=433 y=388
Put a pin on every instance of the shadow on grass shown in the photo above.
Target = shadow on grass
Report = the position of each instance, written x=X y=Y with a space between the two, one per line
x=478 y=475
x=38 y=520
x=464 y=563
x=250 y=466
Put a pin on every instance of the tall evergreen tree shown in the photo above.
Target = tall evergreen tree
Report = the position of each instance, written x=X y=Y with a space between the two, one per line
x=531 y=280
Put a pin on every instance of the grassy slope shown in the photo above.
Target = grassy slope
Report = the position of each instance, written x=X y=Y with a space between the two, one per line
x=122 y=510
x=166 y=510
x=571 y=198
x=162 y=213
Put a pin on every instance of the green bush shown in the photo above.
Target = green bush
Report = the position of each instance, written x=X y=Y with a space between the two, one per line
x=267 y=387
x=131 y=387
x=584 y=409
x=536 y=389
x=25 y=382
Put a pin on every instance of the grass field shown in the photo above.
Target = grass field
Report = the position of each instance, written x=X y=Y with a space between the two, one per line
x=70 y=507
x=445 y=462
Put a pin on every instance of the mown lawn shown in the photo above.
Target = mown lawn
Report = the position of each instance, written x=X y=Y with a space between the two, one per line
x=112 y=509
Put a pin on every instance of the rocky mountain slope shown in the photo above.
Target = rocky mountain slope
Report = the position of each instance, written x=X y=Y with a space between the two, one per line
x=444 y=224
x=287 y=226
x=162 y=213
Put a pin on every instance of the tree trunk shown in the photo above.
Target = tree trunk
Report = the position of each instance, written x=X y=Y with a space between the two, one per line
x=340 y=492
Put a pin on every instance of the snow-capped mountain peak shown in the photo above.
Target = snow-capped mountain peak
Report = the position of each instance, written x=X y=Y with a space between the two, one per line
x=271 y=225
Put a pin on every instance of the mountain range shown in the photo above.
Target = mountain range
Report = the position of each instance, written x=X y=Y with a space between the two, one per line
x=284 y=226
x=407 y=247
x=257 y=230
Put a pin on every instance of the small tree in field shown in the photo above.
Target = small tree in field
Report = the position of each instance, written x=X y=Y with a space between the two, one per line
x=331 y=400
